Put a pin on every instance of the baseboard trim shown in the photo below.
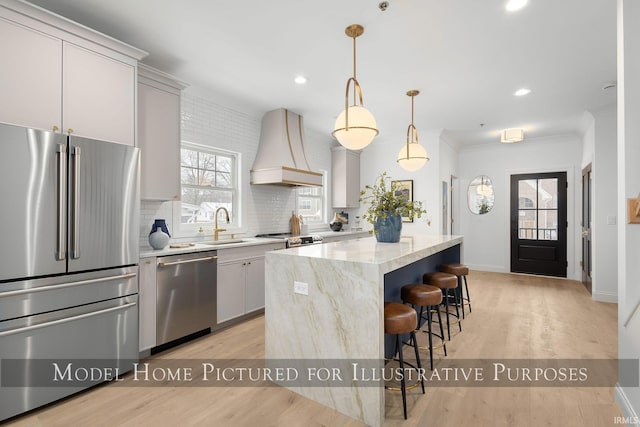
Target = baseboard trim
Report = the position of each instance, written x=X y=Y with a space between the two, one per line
x=627 y=409
x=605 y=297
x=491 y=268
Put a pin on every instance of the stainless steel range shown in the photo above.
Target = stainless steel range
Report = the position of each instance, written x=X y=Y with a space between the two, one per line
x=292 y=241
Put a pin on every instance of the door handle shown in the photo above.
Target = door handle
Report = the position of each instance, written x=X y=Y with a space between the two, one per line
x=61 y=248
x=585 y=233
x=75 y=249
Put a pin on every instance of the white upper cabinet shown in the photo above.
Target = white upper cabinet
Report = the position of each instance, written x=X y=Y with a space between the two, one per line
x=98 y=98
x=30 y=77
x=159 y=134
x=345 y=178
x=59 y=75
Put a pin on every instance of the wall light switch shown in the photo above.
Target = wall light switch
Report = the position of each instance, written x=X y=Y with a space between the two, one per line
x=611 y=220
x=300 y=288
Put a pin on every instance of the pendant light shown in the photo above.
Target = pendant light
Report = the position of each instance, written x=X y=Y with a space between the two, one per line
x=355 y=127
x=412 y=156
x=483 y=189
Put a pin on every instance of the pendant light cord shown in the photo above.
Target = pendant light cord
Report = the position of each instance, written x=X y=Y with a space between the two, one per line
x=354 y=69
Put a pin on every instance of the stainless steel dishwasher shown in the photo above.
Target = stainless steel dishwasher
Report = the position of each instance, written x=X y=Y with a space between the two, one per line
x=186 y=295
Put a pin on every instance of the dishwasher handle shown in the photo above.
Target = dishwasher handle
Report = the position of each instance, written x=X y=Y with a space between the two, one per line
x=187 y=261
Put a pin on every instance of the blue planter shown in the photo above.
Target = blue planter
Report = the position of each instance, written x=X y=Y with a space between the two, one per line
x=388 y=229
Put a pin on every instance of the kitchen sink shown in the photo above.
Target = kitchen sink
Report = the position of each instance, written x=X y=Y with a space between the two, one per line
x=222 y=242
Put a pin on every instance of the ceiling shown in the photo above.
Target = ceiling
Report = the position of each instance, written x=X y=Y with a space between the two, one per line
x=467 y=58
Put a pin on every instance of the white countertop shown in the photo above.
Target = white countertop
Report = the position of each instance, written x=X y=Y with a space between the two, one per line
x=201 y=247
x=338 y=233
x=367 y=250
x=147 y=251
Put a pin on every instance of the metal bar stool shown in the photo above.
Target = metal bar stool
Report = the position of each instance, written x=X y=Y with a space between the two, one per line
x=401 y=319
x=448 y=284
x=429 y=297
x=461 y=271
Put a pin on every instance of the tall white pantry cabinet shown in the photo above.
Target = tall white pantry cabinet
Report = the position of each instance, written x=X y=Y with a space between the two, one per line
x=61 y=76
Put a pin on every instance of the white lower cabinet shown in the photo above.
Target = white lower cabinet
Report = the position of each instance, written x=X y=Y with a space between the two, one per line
x=231 y=279
x=241 y=280
x=147 y=303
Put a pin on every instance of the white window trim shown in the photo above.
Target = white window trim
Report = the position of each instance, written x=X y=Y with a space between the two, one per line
x=191 y=230
x=322 y=223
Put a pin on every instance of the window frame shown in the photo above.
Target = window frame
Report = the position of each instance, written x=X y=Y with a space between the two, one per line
x=186 y=229
x=322 y=222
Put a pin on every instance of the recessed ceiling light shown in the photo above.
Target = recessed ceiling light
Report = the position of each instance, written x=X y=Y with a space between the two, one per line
x=513 y=5
x=300 y=80
x=522 y=92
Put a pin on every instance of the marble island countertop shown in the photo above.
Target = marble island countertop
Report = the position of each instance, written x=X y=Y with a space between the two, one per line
x=387 y=256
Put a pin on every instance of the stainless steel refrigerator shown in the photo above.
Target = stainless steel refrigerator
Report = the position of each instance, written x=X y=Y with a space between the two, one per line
x=68 y=270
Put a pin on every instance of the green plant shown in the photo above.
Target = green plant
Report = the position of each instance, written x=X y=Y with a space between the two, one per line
x=483 y=206
x=384 y=200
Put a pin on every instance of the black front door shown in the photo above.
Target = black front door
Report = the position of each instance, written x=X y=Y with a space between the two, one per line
x=539 y=223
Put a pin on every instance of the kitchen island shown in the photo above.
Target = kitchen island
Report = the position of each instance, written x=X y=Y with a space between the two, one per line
x=324 y=311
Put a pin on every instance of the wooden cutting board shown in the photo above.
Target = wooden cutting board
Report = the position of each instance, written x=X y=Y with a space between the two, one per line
x=181 y=245
x=295 y=224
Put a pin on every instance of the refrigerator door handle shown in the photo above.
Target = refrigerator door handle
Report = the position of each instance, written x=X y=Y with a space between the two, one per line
x=66 y=320
x=75 y=239
x=66 y=285
x=61 y=249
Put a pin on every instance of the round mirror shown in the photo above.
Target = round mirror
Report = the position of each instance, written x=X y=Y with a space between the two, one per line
x=480 y=195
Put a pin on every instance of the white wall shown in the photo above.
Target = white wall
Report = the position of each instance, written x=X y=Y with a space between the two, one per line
x=603 y=206
x=381 y=155
x=265 y=208
x=487 y=239
x=449 y=168
x=628 y=186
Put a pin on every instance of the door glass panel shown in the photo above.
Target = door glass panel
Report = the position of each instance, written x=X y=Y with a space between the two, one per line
x=548 y=193
x=527 y=193
x=548 y=225
x=527 y=224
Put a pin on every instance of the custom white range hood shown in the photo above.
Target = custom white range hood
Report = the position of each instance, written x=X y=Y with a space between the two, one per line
x=281 y=159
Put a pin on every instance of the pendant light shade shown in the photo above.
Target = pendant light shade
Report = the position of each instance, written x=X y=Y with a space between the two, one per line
x=361 y=131
x=414 y=158
x=355 y=127
x=484 y=189
x=412 y=155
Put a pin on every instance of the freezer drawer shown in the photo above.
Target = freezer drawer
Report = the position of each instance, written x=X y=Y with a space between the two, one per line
x=186 y=295
x=30 y=297
x=106 y=331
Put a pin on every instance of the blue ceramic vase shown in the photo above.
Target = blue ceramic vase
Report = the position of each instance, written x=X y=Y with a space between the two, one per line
x=388 y=229
x=159 y=235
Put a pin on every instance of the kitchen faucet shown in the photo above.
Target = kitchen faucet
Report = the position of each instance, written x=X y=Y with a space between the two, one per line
x=217 y=230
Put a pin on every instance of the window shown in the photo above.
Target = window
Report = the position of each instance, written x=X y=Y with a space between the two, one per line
x=538 y=209
x=209 y=180
x=311 y=202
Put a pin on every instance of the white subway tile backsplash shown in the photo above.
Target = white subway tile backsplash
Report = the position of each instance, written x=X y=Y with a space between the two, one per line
x=265 y=209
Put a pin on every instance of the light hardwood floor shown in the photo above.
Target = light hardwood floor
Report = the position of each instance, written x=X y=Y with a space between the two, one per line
x=514 y=316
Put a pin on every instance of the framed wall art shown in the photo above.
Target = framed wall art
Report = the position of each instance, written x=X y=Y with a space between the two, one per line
x=404 y=189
